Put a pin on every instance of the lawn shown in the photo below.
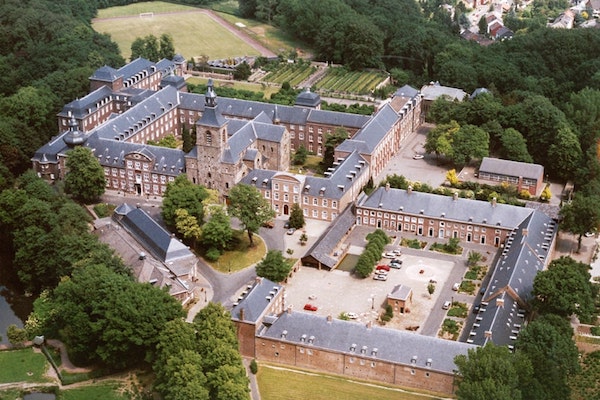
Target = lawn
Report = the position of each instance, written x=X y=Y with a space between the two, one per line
x=243 y=255
x=278 y=384
x=25 y=366
x=239 y=85
x=99 y=391
x=194 y=33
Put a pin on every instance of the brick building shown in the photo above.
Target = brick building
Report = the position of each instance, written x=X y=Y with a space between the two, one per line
x=521 y=175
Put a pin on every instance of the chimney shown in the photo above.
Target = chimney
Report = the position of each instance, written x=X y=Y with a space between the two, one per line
x=242 y=314
x=409 y=190
x=258 y=280
x=387 y=187
x=494 y=201
x=455 y=196
x=524 y=231
x=289 y=309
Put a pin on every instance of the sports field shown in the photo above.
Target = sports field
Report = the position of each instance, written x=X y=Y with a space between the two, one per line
x=194 y=31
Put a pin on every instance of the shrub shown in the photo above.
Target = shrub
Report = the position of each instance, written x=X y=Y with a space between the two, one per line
x=389 y=311
x=253 y=366
x=213 y=254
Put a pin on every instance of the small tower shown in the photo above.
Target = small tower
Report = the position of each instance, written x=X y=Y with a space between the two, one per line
x=74 y=136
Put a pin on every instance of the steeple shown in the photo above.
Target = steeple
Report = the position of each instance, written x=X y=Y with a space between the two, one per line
x=211 y=117
x=210 y=98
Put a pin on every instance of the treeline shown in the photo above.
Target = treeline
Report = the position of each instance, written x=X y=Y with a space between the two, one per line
x=48 y=50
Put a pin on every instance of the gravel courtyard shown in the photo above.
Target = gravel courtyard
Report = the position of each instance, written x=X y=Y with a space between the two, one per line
x=334 y=292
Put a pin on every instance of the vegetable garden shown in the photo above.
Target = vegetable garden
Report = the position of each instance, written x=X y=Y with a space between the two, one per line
x=340 y=80
x=292 y=73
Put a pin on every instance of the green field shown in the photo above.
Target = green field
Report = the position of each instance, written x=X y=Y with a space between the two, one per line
x=25 y=366
x=284 y=384
x=194 y=33
x=99 y=391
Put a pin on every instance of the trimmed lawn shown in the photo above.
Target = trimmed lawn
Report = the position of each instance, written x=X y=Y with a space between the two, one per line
x=194 y=33
x=100 y=391
x=25 y=366
x=277 y=384
x=243 y=256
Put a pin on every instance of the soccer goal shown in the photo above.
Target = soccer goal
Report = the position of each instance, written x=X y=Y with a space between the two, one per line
x=147 y=15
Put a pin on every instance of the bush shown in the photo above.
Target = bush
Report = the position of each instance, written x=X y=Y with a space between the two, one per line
x=213 y=254
x=596 y=330
x=389 y=311
x=253 y=366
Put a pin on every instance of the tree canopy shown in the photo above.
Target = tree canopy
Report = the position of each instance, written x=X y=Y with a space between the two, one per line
x=247 y=204
x=274 y=267
x=183 y=194
x=85 y=177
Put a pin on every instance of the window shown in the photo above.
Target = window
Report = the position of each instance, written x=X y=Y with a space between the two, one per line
x=315 y=213
x=334 y=204
x=324 y=202
x=267 y=194
x=324 y=215
x=275 y=196
x=305 y=199
x=208 y=137
x=276 y=186
x=315 y=201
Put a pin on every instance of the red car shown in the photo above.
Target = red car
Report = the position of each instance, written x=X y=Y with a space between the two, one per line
x=310 y=307
x=383 y=267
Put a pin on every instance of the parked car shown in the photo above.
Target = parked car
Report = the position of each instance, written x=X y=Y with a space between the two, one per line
x=482 y=290
x=291 y=231
x=589 y=234
x=476 y=308
x=397 y=252
x=446 y=305
x=396 y=261
x=389 y=254
x=352 y=315
x=418 y=156
x=456 y=286
x=395 y=265
x=381 y=272
x=310 y=307
x=380 y=277
x=382 y=267
x=286 y=225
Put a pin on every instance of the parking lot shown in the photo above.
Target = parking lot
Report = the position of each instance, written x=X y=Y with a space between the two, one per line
x=335 y=292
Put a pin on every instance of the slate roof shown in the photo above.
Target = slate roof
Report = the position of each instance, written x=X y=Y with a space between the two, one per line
x=525 y=253
x=322 y=250
x=374 y=130
x=79 y=108
x=48 y=153
x=308 y=99
x=256 y=177
x=390 y=345
x=254 y=300
x=337 y=182
x=286 y=114
x=156 y=239
x=463 y=210
x=510 y=168
x=406 y=91
x=105 y=74
x=134 y=67
x=400 y=292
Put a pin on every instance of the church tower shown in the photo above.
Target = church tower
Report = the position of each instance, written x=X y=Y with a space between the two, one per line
x=211 y=140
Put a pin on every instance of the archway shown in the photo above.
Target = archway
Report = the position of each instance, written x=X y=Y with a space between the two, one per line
x=286 y=209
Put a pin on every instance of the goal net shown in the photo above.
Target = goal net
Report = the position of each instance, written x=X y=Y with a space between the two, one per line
x=147 y=15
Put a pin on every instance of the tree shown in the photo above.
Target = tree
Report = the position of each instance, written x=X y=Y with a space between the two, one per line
x=580 y=216
x=469 y=142
x=217 y=232
x=16 y=336
x=514 y=146
x=184 y=377
x=452 y=178
x=273 y=267
x=565 y=289
x=491 y=372
x=473 y=258
x=247 y=204
x=85 y=177
x=565 y=154
x=106 y=317
x=547 y=342
x=430 y=289
x=296 y=216
x=187 y=225
x=167 y=48
x=331 y=142
x=242 y=71
x=300 y=155
x=303 y=239
x=439 y=139
x=181 y=193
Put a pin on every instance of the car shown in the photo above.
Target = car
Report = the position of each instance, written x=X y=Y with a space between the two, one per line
x=381 y=272
x=589 y=234
x=380 y=277
x=269 y=224
x=286 y=225
x=383 y=267
x=396 y=261
x=446 y=305
x=310 y=307
x=388 y=254
x=418 y=156
x=456 y=286
x=476 y=308
x=482 y=290
x=291 y=231
x=397 y=252
x=395 y=265
x=352 y=315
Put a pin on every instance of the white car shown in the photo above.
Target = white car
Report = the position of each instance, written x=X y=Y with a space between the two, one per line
x=389 y=254
x=380 y=277
x=418 y=157
x=352 y=315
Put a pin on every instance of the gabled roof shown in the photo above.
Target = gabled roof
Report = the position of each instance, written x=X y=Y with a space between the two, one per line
x=511 y=168
x=400 y=292
x=79 y=108
x=321 y=252
x=255 y=300
x=338 y=181
x=105 y=74
x=464 y=210
x=434 y=90
x=374 y=130
x=154 y=237
x=373 y=343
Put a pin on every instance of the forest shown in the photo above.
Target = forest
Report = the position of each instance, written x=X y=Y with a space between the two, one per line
x=543 y=102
